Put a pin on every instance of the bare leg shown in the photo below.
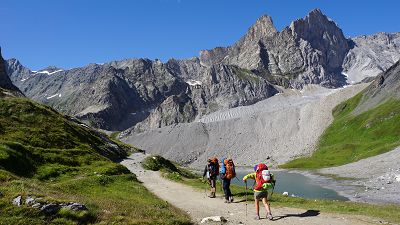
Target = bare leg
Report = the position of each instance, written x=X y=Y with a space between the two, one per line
x=266 y=205
x=257 y=202
x=213 y=189
x=267 y=208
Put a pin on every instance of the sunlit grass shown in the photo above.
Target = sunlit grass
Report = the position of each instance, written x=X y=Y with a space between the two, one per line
x=43 y=154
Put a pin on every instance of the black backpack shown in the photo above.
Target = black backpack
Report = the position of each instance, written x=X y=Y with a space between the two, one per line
x=213 y=168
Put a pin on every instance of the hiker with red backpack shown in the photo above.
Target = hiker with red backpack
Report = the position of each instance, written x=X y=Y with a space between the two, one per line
x=227 y=173
x=264 y=180
x=212 y=171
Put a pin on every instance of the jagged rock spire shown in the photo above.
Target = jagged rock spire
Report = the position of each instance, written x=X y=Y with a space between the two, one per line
x=264 y=27
x=5 y=81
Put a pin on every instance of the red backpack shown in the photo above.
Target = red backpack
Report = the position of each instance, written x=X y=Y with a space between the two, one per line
x=262 y=176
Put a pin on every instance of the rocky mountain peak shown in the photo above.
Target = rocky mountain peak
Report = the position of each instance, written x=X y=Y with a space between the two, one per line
x=324 y=35
x=14 y=64
x=315 y=21
x=316 y=12
x=5 y=81
x=264 y=27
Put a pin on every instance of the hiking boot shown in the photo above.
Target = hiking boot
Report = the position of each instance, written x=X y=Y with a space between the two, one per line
x=227 y=201
x=257 y=217
x=212 y=195
x=269 y=216
x=231 y=199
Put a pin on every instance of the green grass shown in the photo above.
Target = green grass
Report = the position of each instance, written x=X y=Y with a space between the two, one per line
x=390 y=213
x=44 y=154
x=169 y=169
x=245 y=74
x=128 y=148
x=353 y=137
x=119 y=199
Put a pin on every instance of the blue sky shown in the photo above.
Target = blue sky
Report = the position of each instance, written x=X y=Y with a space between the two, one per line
x=74 y=33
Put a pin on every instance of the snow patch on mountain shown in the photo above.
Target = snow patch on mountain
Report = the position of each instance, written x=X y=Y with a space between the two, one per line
x=50 y=97
x=194 y=82
x=46 y=72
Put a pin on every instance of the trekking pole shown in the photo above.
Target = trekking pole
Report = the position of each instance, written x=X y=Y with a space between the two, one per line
x=221 y=185
x=205 y=191
x=246 y=199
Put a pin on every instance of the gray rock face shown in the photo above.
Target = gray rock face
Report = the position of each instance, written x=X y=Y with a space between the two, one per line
x=120 y=94
x=310 y=51
x=247 y=52
x=385 y=86
x=371 y=55
x=5 y=81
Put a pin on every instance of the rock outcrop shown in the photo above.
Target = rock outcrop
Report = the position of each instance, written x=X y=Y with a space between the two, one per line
x=310 y=51
x=371 y=55
x=386 y=86
x=5 y=81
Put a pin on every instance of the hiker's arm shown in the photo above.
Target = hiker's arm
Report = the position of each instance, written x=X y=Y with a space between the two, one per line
x=249 y=176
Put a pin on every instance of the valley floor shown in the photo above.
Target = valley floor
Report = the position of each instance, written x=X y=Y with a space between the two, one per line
x=285 y=126
x=377 y=177
x=198 y=206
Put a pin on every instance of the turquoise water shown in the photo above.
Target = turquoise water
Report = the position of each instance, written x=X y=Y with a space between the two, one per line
x=296 y=184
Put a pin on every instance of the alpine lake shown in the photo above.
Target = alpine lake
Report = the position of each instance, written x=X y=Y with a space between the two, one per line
x=296 y=184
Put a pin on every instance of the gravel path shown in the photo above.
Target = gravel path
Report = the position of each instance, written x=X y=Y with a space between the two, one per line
x=378 y=177
x=198 y=206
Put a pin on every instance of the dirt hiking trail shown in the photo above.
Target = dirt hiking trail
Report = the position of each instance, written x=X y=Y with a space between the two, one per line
x=198 y=206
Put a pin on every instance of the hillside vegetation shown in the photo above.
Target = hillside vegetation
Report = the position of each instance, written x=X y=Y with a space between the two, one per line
x=352 y=137
x=46 y=155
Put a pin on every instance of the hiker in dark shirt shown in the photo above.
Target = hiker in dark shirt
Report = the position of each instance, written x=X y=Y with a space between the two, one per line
x=211 y=171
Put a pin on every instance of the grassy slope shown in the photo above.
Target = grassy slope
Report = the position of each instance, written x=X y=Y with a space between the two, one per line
x=169 y=169
x=353 y=137
x=389 y=213
x=45 y=155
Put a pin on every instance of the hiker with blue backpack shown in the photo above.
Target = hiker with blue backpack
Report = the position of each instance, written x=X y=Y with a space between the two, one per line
x=227 y=173
x=211 y=171
x=264 y=180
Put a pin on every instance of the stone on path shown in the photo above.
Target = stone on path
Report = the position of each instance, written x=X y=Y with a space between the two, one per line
x=213 y=219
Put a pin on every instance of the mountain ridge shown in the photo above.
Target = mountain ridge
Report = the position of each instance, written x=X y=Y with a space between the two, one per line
x=135 y=93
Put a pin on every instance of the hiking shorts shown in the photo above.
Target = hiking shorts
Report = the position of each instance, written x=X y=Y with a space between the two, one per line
x=212 y=182
x=260 y=195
